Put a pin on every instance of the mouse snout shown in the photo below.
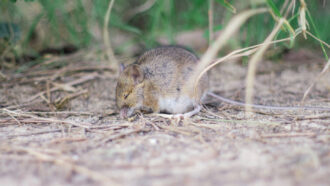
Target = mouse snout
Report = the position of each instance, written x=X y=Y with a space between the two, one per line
x=126 y=112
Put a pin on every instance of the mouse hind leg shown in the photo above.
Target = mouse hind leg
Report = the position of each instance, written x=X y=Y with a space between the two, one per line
x=197 y=108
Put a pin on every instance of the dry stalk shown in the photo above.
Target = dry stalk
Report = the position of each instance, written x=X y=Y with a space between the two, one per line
x=16 y=120
x=113 y=61
x=227 y=116
x=319 y=40
x=242 y=121
x=62 y=113
x=149 y=122
x=320 y=116
x=65 y=70
x=67 y=86
x=288 y=135
x=116 y=127
x=77 y=56
x=50 y=120
x=176 y=130
x=121 y=135
x=214 y=127
x=67 y=140
x=33 y=133
x=291 y=7
x=2 y=76
x=325 y=69
x=142 y=8
x=242 y=52
x=212 y=51
x=284 y=6
x=25 y=121
x=253 y=65
x=302 y=17
x=62 y=101
x=113 y=135
x=252 y=49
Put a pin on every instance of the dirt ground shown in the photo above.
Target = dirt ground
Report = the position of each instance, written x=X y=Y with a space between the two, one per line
x=59 y=126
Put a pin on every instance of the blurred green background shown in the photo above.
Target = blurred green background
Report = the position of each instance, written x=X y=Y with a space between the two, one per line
x=31 y=26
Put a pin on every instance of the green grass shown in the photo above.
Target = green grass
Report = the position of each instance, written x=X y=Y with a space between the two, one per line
x=73 y=22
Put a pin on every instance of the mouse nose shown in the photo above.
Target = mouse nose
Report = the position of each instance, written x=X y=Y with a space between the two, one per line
x=123 y=112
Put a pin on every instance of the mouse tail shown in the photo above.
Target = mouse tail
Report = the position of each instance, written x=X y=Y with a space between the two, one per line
x=233 y=102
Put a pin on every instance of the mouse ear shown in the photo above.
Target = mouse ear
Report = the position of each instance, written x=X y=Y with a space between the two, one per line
x=136 y=73
x=121 y=67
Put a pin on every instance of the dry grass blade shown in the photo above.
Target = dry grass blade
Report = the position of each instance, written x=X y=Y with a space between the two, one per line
x=284 y=6
x=63 y=113
x=289 y=135
x=59 y=103
x=121 y=135
x=33 y=133
x=142 y=8
x=325 y=69
x=16 y=120
x=113 y=61
x=253 y=65
x=242 y=52
x=302 y=17
x=2 y=76
x=319 y=40
x=212 y=51
x=320 y=116
x=70 y=84
x=50 y=120
x=68 y=70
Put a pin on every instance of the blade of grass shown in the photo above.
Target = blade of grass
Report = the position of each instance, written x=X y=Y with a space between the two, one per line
x=317 y=34
x=227 y=5
x=273 y=7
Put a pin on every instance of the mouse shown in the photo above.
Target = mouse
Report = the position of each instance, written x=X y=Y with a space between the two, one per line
x=156 y=83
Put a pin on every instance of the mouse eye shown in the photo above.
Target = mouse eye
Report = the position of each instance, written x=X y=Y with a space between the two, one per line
x=127 y=94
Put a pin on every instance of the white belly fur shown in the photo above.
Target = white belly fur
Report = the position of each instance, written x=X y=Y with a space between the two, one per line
x=179 y=105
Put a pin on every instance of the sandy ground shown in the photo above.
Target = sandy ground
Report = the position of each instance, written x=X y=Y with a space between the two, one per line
x=73 y=136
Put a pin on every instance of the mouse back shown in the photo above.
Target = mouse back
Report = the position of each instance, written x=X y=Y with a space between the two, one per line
x=169 y=68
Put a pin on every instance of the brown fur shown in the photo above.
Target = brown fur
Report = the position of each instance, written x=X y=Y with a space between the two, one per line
x=160 y=72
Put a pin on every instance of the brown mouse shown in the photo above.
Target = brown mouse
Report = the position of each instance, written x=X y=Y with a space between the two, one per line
x=156 y=83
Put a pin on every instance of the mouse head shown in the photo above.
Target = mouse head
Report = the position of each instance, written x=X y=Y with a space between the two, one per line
x=129 y=90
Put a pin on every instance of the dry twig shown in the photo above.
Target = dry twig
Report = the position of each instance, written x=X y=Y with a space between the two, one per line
x=70 y=84
x=288 y=135
x=50 y=120
x=34 y=133
x=124 y=134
